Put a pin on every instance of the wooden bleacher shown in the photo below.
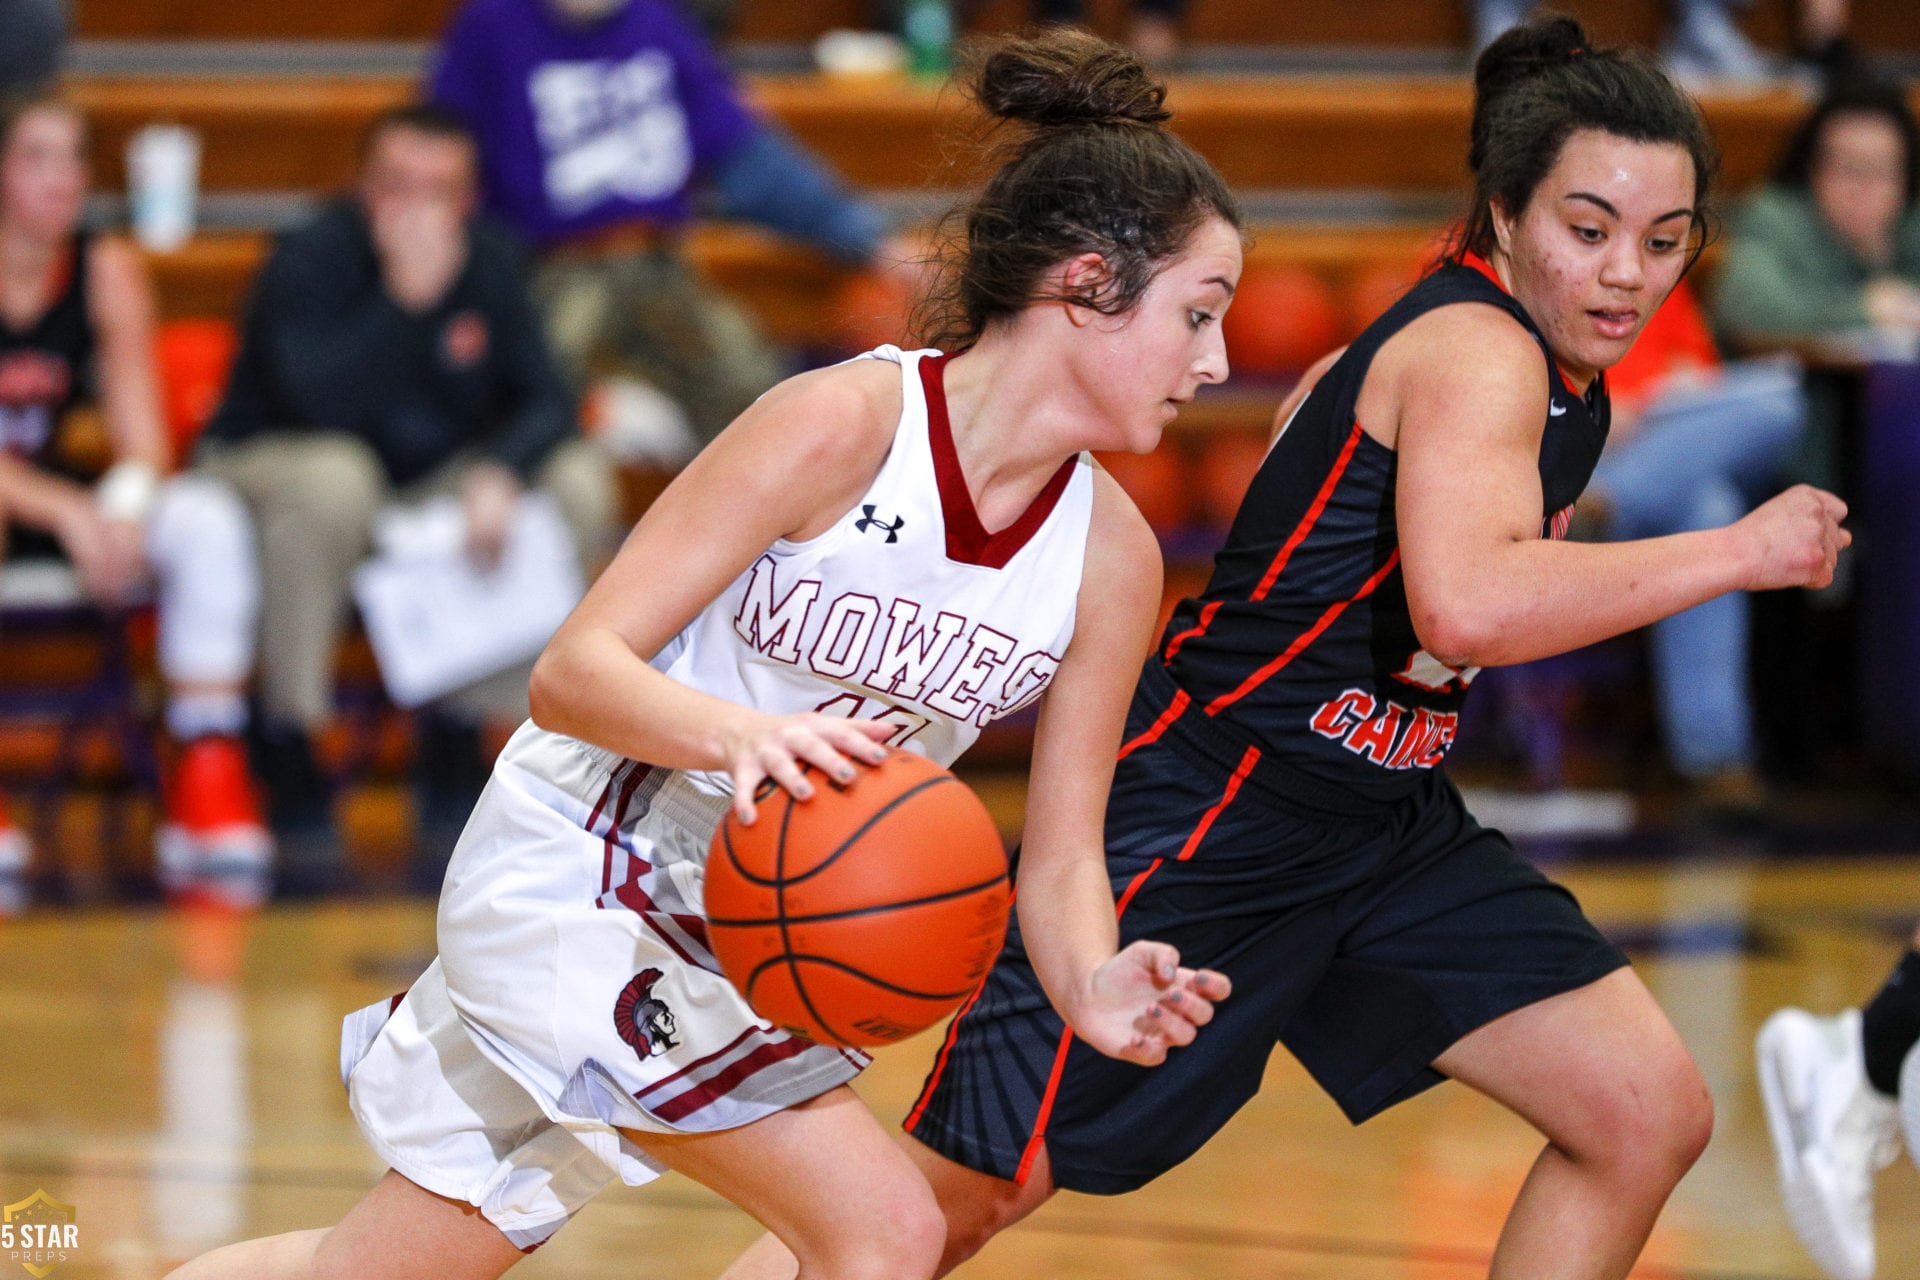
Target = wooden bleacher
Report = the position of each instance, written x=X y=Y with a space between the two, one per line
x=1880 y=24
x=1303 y=134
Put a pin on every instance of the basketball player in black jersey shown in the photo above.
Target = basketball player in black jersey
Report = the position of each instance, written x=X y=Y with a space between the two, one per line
x=1279 y=812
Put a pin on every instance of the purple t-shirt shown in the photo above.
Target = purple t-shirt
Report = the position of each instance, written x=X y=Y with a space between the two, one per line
x=583 y=127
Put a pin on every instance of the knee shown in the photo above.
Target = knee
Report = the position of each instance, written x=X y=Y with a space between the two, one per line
x=906 y=1241
x=200 y=517
x=1654 y=1124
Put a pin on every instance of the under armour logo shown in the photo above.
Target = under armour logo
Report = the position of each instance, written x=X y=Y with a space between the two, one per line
x=871 y=521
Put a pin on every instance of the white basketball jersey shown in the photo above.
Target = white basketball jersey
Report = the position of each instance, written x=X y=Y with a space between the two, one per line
x=906 y=610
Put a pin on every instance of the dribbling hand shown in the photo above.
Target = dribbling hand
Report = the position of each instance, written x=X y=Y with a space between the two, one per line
x=1142 y=1003
x=1795 y=539
x=776 y=746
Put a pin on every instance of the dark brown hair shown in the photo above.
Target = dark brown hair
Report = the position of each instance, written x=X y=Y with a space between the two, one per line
x=1858 y=95
x=1543 y=81
x=15 y=107
x=1092 y=171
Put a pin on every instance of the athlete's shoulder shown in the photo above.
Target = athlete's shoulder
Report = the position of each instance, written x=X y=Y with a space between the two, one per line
x=1465 y=341
x=831 y=417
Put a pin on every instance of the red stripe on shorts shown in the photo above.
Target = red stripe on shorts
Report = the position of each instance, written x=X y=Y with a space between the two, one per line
x=1247 y=760
x=722 y=1083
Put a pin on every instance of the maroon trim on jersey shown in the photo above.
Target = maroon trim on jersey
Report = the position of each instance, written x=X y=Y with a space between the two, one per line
x=1298 y=536
x=1306 y=638
x=968 y=541
x=1485 y=268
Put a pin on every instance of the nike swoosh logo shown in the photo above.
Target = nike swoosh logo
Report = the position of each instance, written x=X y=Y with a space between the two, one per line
x=1555 y=410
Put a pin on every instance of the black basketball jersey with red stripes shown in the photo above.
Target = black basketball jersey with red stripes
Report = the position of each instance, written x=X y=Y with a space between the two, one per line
x=1302 y=644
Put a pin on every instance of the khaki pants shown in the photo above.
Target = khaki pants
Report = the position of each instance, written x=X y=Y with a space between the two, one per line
x=651 y=317
x=314 y=496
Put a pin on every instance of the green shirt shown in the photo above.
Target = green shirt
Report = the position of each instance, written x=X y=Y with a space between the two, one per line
x=1786 y=274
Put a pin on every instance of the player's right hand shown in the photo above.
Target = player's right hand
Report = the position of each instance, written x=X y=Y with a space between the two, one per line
x=1794 y=539
x=775 y=747
x=1143 y=1002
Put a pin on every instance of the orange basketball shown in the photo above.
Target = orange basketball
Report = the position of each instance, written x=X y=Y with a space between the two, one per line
x=1282 y=320
x=866 y=913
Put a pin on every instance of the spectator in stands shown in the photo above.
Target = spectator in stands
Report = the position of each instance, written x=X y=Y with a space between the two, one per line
x=596 y=118
x=76 y=327
x=390 y=350
x=1830 y=249
x=1153 y=33
x=1696 y=444
x=36 y=36
x=1703 y=41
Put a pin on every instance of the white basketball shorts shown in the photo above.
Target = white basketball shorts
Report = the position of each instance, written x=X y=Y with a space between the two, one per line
x=574 y=996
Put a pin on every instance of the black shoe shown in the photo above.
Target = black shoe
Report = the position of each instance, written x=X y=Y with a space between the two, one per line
x=308 y=859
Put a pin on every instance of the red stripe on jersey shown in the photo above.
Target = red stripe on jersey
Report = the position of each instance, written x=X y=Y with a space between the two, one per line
x=1034 y=1143
x=1298 y=536
x=1158 y=727
x=968 y=541
x=722 y=1083
x=1299 y=646
x=1313 y=513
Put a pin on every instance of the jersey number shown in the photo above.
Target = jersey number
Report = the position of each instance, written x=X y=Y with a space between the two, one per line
x=851 y=706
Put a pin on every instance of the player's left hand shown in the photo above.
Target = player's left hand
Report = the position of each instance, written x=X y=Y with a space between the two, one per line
x=1143 y=1002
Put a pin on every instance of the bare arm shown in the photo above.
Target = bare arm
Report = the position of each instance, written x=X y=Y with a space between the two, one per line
x=1469 y=394
x=593 y=681
x=1133 y=1004
x=121 y=308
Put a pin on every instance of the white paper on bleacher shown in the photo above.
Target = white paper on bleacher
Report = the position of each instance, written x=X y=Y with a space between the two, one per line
x=437 y=621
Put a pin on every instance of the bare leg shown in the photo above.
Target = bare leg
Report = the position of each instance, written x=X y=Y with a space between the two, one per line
x=976 y=1206
x=1601 y=1072
x=399 y=1231
x=826 y=1179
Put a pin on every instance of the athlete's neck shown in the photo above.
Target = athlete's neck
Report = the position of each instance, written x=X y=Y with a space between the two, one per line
x=1013 y=422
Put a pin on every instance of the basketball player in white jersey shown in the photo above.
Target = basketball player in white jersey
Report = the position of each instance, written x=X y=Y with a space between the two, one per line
x=898 y=549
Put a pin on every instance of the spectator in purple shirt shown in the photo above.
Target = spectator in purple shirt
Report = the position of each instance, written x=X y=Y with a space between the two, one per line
x=596 y=121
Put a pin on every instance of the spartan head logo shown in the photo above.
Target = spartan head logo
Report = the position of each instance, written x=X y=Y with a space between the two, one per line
x=642 y=1020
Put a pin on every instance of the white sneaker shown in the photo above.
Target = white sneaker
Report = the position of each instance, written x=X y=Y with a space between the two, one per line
x=1832 y=1132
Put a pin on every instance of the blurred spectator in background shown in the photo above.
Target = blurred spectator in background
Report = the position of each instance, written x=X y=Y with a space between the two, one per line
x=595 y=120
x=1696 y=444
x=390 y=351
x=1830 y=249
x=1703 y=40
x=33 y=35
x=76 y=325
x=1153 y=33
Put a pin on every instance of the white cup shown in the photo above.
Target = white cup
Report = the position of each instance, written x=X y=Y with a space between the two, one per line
x=163 y=179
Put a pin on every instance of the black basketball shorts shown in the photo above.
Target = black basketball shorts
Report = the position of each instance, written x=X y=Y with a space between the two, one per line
x=1366 y=938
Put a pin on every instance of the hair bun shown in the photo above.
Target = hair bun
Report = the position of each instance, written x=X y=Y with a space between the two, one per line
x=1523 y=51
x=1064 y=79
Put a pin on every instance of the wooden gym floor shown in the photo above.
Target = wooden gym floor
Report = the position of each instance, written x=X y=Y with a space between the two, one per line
x=175 y=1080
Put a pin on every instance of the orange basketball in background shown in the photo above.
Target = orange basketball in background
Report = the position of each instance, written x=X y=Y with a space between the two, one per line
x=1228 y=464
x=1282 y=320
x=871 y=308
x=1157 y=483
x=866 y=913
